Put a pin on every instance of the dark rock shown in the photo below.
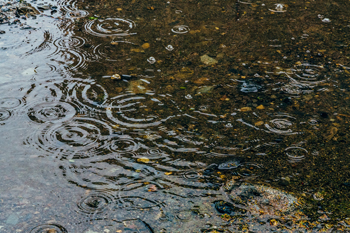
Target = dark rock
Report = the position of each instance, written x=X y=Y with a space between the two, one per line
x=224 y=207
x=260 y=199
x=324 y=114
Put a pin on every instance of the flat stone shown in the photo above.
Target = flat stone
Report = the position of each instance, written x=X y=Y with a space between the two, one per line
x=262 y=200
x=12 y=219
x=208 y=60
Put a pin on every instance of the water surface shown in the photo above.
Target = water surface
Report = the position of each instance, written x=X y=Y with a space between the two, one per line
x=157 y=116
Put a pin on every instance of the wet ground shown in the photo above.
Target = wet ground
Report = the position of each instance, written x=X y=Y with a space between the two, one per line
x=174 y=116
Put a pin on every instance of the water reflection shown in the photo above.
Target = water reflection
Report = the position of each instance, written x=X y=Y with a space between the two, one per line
x=162 y=127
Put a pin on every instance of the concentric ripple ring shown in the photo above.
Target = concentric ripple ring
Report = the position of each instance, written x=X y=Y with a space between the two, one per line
x=49 y=228
x=110 y=27
x=51 y=112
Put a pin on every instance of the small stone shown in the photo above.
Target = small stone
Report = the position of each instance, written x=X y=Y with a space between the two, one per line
x=208 y=60
x=273 y=222
x=116 y=76
x=143 y=160
x=318 y=196
x=259 y=123
x=137 y=87
x=2 y=32
x=220 y=55
x=347 y=221
x=137 y=50
x=205 y=89
x=145 y=46
x=201 y=81
x=246 y=109
x=152 y=188
x=260 y=107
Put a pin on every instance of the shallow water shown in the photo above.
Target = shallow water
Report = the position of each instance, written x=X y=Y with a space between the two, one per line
x=136 y=116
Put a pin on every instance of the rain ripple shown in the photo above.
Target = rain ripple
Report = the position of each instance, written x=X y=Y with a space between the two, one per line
x=8 y=105
x=110 y=27
x=4 y=114
x=77 y=14
x=88 y=95
x=140 y=198
x=309 y=74
x=78 y=138
x=49 y=228
x=296 y=154
x=180 y=29
x=9 y=102
x=113 y=51
x=139 y=111
x=281 y=124
x=95 y=203
x=69 y=59
x=122 y=143
x=71 y=9
x=15 y=38
x=69 y=42
x=51 y=112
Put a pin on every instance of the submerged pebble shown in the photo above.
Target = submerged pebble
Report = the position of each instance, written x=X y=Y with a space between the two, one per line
x=208 y=60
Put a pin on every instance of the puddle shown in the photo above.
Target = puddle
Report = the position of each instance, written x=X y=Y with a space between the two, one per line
x=184 y=116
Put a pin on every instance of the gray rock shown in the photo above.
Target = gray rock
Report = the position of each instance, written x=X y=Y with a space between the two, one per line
x=12 y=219
x=262 y=200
